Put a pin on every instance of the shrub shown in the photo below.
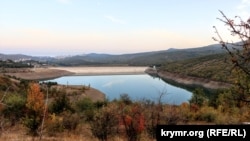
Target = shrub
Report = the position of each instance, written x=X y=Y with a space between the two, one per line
x=60 y=123
x=125 y=99
x=133 y=120
x=207 y=114
x=14 y=110
x=100 y=104
x=185 y=112
x=198 y=97
x=105 y=122
x=172 y=115
x=85 y=106
x=60 y=104
x=70 y=121
x=54 y=125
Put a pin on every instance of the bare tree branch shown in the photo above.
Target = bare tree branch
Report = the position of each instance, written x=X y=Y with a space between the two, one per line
x=239 y=53
x=44 y=113
x=2 y=99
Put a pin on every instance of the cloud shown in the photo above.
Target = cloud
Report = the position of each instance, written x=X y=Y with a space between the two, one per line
x=64 y=1
x=111 y=83
x=115 y=20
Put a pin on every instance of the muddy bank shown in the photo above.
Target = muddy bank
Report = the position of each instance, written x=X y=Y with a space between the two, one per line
x=188 y=80
x=55 y=72
x=117 y=70
x=39 y=73
x=74 y=92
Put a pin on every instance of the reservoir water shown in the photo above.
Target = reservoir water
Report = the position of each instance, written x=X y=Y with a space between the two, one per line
x=137 y=87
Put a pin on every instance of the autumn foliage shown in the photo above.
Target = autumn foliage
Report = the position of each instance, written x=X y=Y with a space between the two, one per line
x=35 y=106
x=132 y=119
x=35 y=98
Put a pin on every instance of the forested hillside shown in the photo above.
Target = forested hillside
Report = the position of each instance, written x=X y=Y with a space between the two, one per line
x=133 y=59
x=140 y=59
x=215 y=67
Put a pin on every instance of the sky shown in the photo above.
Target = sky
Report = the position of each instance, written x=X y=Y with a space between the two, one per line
x=70 y=27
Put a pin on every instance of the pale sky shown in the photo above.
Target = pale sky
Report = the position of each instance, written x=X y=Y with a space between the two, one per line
x=69 y=27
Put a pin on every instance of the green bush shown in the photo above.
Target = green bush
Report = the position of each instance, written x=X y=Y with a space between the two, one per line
x=86 y=107
x=84 y=104
x=60 y=104
x=14 y=110
x=125 y=99
x=100 y=104
x=32 y=122
x=198 y=97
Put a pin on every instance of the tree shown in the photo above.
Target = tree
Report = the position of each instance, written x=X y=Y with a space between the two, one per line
x=86 y=107
x=240 y=55
x=35 y=106
x=104 y=122
x=198 y=97
x=125 y=99
x=133 y=120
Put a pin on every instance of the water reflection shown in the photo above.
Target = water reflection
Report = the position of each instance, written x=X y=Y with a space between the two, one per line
x=137 y=87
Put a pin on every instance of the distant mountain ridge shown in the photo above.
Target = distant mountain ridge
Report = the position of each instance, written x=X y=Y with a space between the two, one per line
x=14 y=56
x=22 y=57
x=139 y=59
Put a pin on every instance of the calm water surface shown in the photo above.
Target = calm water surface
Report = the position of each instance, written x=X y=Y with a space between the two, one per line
x=138 y=87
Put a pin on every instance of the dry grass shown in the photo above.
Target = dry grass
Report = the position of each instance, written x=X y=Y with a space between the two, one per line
x=18 y=133
x=81 y=134
x=78 y=92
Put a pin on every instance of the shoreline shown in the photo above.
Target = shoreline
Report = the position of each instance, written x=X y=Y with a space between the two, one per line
x=56 y=72
x=112 y=70
x=90 y=92
x=188 y=80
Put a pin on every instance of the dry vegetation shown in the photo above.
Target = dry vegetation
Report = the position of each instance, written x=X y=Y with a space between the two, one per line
x=72 y=115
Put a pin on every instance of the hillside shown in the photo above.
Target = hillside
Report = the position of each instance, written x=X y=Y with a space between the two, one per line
x=81 y=112
x=8 y=84
x=140 y=59
x=22 y=57
x=134 y=59
x=214 y=67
